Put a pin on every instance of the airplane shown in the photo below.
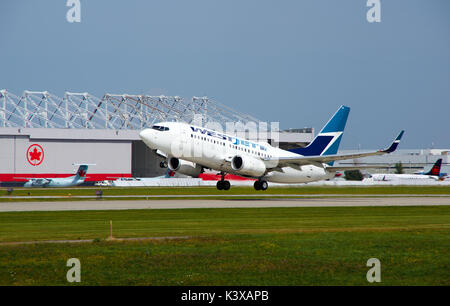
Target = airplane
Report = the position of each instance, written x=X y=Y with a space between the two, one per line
x=189 y=149
x=135 y=181
x=169 y=173
x=433 y=174
x=73 y=180
x=435 y=170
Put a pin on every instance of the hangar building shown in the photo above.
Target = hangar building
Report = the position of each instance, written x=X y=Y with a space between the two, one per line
x=43 y=135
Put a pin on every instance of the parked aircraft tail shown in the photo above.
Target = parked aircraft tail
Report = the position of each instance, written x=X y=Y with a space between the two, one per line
x=81 y=172
x=436 y=168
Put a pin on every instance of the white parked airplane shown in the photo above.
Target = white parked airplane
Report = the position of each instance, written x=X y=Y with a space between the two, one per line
x=73 y=180
x=189 y=149
x=433 y=174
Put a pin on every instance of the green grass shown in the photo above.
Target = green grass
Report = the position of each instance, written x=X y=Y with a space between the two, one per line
x=342 y=190
x=233 y=246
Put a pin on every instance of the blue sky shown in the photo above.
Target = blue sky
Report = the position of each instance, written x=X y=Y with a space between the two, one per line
x=290 y=61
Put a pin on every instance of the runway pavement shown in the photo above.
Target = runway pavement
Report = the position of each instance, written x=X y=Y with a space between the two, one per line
x=228 y=203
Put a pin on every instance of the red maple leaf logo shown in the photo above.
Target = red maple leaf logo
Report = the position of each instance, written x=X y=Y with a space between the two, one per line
x=435 y=170
x=81 y=173
x=35 y=155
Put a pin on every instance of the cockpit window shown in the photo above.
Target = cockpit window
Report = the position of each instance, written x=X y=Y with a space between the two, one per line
x=160 y=128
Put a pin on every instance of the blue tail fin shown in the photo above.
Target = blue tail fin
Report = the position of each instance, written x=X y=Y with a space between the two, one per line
x=328 y=140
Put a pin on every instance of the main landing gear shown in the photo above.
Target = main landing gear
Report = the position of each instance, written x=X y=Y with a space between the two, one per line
x=222 y=184
x=225 y=185
x=260 y=185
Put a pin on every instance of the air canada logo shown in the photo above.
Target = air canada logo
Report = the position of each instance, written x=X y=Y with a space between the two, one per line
x=35 y=155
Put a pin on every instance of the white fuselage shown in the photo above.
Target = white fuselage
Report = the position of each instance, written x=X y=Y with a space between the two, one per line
x=54 y=182
x=398 y=177
x=212 y=149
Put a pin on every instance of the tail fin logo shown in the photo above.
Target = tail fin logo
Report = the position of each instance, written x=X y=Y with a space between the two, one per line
x=82 y=170
x=436 y=168
x=328 y=140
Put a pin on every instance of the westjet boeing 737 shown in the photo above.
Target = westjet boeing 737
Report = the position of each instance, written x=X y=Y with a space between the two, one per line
x=181 y=143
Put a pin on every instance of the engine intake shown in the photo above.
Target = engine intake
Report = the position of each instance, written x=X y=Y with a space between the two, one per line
x=249 y=166
x=184 y=167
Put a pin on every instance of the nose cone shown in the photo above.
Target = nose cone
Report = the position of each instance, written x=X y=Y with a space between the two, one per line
x=143 y=134
x=148 y=137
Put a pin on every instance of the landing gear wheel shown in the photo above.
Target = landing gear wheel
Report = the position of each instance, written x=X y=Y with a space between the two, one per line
x=226 y=185
x=260 y=185
x=257 y=185
x=163 y=164
x=219 y=185
x=264 y=185
x=223 y=185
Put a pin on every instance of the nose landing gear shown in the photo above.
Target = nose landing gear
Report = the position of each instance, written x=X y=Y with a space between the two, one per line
x=260 y=185
x=163 y=164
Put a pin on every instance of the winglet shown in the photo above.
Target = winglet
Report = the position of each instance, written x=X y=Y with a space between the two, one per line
x=394 y=144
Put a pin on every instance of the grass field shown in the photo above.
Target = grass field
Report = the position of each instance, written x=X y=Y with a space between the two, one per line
x=69 y=194
x=233 y=246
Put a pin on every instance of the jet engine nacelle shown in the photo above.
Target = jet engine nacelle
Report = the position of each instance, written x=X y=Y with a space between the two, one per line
x=184 y=167
x=250 y=166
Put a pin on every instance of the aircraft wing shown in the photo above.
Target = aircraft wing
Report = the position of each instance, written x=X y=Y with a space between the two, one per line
x=319 y=159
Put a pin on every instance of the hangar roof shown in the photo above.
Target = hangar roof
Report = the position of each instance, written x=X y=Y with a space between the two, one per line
x=41 y=109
